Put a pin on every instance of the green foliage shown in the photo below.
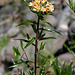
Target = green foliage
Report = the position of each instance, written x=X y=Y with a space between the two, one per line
x=30 y=42
x=3 y=42
x=42 y=46
x=72 y=46
x=71 y=5
x=16 y=53
x=24 y=23
x=22 y=72
x=63 y=70
x=51 y=30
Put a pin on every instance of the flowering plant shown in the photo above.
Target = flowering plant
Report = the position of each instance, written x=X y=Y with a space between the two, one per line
x=40 y=7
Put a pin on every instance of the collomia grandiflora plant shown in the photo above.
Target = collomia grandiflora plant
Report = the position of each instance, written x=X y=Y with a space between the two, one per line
x=41 y=8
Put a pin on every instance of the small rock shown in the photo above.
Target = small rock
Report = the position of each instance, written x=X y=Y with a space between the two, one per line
x=5 y=25
x=13 y=30
x=7 y=10
x=72 y=29
x=2 y=2
x=58 y=43
x=51 y=19
x=63 y=19
x=67 y=57
x=30 y=15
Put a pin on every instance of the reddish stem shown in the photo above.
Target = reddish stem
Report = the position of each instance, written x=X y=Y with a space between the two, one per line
x=28 y=60
x=36 y=45
x=18 y=70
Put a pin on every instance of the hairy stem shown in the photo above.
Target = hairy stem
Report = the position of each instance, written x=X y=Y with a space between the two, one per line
x=36 y=45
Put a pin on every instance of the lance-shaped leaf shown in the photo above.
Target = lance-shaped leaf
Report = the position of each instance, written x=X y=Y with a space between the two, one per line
x=63 y=68
x=42 y=19
x=40 y=33
x=51 y=30
x=22 y=46
x=20 y=63
x=28 y=37
x=34 y=27
x=70 y=4
x=25 y=41
x=69 y=68
x=57 y=67
x=47 y=22
x=30 y=42
x=45 y=38
x=43 y=56
x=42 y=46
x=16 y=51
x=25 y=23
x=54 y=67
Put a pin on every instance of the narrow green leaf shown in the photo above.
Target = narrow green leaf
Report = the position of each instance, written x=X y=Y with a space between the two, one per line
x=45 y=38
x=69 y=67
x=42 y=19
x=54 y=67
x=43 y=56
x=73 y=52
x=73 y=33
x=20 y=63
x=40 y=34
x=42 y=46
x=57 y=67
x=34 y=27
x=47 y=22
x=23 y=40
x=16 y=51
x=30 y=42
x=66 y=47
x=70 y=4
x=25 y=23
x=31 y=73
x=63 y=68
x=28 y=37
x=50 y=30
x=22 y=46
x=13 y=61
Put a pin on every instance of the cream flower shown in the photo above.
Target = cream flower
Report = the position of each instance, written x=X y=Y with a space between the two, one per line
x=43 y=1
x=48 y=4
x=43 y=9
x=51 y=8
x=38 y=1
x=31 y=3
x=41 y=5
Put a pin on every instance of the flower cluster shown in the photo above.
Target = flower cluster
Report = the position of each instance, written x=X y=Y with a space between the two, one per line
x=41 y=5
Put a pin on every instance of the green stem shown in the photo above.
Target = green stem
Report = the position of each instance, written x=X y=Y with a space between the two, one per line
x=36 y=45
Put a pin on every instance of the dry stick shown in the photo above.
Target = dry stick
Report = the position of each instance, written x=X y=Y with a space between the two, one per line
x=36 y=45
